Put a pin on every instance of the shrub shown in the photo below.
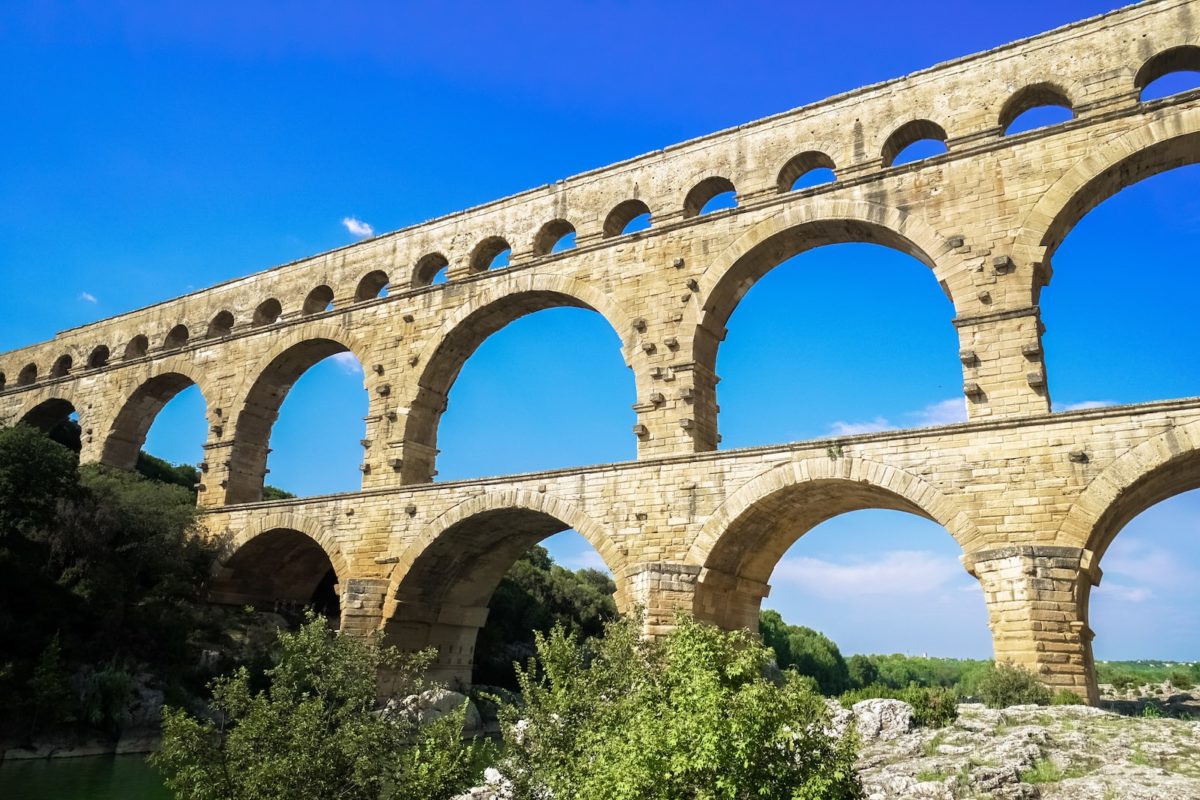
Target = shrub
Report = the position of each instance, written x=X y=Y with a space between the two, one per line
x=686 y=715
x=862 y=669
x=1007 y=685
x=315 y=732
x=1065 y=697
x=933 y=706
x=806 y=651
x=1181 y=680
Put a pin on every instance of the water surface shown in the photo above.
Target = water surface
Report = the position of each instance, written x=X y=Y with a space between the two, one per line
x=95 y=778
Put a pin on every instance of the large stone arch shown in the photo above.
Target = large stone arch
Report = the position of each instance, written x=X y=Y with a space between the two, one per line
x=1159 y=468
x=280 y=557
x=50 y=412
x=154 y=385
x=265 y=385
x=495 y=305
x=741 y=542
x=444 y=578
x=1160 y=144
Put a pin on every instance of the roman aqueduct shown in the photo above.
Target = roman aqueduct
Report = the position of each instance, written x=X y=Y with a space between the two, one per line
x=1034 y=498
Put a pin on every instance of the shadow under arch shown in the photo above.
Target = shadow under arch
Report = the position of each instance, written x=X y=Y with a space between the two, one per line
x=283 y=560
x=743 y=540
x=267 y=385
x=126 y=434
x=1161 y=145
x=52 y=416
x=439 y=592
x=461 y=335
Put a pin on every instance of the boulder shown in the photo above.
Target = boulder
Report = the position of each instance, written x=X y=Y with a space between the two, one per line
x=882 y=719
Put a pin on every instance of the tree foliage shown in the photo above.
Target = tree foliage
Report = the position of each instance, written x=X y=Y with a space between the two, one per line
x=689 y=715
x=314 y=731
x=806 y=651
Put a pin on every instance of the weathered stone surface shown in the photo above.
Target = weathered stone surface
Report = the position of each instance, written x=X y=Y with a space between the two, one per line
x=1033 y=498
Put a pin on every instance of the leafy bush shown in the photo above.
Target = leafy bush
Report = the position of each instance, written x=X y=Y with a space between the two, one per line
x=315 y=731
x=933 y=706
x=1007 y=685
x=806 y=651
x=1065 y=697
x=1181 y=680
x=688 y=715
x=862 y=669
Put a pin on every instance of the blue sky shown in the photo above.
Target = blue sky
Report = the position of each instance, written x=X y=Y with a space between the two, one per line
x=155 y=148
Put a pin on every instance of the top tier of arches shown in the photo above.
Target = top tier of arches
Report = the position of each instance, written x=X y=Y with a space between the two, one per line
x=853 y=137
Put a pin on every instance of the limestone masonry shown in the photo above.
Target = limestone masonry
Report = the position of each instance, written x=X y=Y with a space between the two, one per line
x=1033 y=498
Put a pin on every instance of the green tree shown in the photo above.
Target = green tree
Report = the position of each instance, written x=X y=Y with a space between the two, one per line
x=315 y=732
x=689 y=715
x=862 y=670
x=806 y=651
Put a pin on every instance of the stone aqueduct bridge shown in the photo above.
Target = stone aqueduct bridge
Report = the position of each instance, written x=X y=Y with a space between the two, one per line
x=1033 y=498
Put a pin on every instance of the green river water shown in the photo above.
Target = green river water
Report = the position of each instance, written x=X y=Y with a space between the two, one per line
x=96 y=778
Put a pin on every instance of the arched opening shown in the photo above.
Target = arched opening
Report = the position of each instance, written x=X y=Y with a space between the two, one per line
x=554 y=237
x=98 y=357
x=164 y=416
x=711 y=194
x=324 y=425
x=885 y=359
x=27 y=375
x=374 y=284
x=177 y=337
x=280 y=570
x=319 y=300
x=267 y=313
x=220 y=325
x=570 y=405
x=1113 y=335
x=137 y=347
x=1036 y=106
x=62 y=365
x=431 y=269
x=57 y=419
x=1169 y=73
x=483 y=583
x=630 y=216
x=743 y=556
x=492 y=253
x=811 y=168
x=914 y=141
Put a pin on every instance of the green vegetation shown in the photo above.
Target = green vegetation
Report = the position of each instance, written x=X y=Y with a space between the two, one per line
x=314 y=730
x=1043 y=771
x=687 y=715
x=933 y=706
x=806 y=651
x=100 y=578
x=1131 y=674
x=1005 y=685
x=535 y=595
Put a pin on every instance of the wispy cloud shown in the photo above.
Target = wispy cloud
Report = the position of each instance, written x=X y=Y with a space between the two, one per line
x=1083 y=405
x=348 y=363
x=899 y=572
x=586 y=559
x=88 y=297
x=1146 y=564
x=1129 y=594
x=843 y=428
x=945 y=412
x=357 y=227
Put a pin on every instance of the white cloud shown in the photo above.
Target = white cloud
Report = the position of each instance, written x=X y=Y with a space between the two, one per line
x=1086 y=404
x=1130 y=594
x=842 y=428
x=1145 y=564
x=357 y=227
x=87 y=297
x=347 y=362
x=946 y=412
x=586 y=559
x=899 y=572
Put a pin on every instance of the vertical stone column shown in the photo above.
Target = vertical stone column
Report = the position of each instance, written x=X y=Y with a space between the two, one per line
x=729 y=601
x=677 y=412
x=1004 y=373
x=662 y=589
x=1037 y=610
x=450 y=630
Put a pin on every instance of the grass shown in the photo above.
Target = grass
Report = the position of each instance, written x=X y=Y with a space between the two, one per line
x=930 y=748
x=937 y=776
x=1043 y=771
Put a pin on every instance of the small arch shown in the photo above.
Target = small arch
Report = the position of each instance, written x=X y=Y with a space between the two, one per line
x=428 y=268
x=909 y=134
x=127 y=434
x=318 y=300
x=373 y=284
x=267 y=313
x=62 y=365
x=1185 y=59
x=703 y=193
x=806 y=164
x=491 y=253
x=3 y=381
x=618 y=220
x=98 y=357
x=221 y=325
x=56 y=418
x=177 y=337
x=27 y=375
x=552 y=235
x=1038 y=101
x=137 y=347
